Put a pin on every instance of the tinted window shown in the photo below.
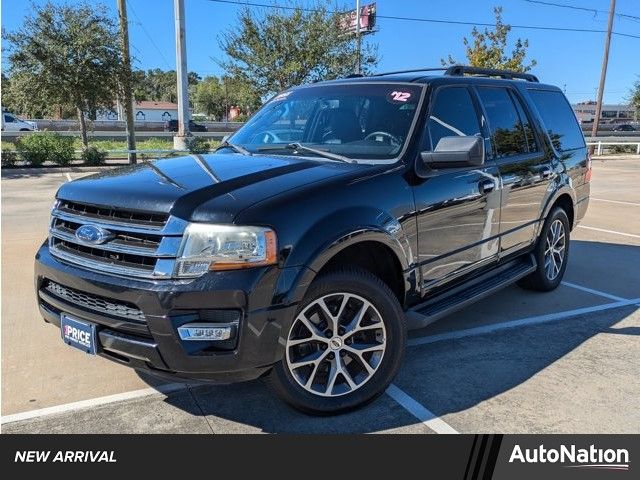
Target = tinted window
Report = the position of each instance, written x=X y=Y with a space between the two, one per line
x=9 y=118
x=452 y=114
x=558 y=118
x=526 y=124
x=507 y=132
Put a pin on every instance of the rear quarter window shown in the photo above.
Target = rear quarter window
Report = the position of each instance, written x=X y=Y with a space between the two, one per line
x=559 y=119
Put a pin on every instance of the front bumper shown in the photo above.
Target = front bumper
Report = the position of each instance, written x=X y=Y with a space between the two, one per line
x=153 y=344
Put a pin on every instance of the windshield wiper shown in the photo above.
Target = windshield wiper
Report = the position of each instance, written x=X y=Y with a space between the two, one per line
x=295 y=146
x=233 y=146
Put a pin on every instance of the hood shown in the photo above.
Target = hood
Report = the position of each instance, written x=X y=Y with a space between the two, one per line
x=207 y=188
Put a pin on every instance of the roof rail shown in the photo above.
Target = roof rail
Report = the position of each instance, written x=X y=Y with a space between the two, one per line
x=409 y=71
x=460 y=70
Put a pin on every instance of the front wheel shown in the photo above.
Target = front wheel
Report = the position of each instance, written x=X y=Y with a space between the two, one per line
x=344 y=346
x=551 y=252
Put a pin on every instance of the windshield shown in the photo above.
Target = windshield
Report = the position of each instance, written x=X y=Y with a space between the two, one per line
x=369 y=122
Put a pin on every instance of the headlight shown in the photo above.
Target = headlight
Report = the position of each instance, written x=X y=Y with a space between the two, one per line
x=224 y=247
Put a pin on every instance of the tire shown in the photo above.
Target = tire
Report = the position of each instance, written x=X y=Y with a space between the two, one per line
x=547 y=276
x=366 y=313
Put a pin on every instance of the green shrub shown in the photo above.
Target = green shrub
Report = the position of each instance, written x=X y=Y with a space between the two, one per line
x=93 y=156
x=9 y=158
x=199 y=145
x=623 y=149
x=41 y=147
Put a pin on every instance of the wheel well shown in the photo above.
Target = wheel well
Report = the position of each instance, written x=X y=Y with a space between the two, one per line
x=564 y=201
x=374 y=257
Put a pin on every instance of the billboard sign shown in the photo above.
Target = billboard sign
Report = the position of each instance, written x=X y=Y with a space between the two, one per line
x=348 y=21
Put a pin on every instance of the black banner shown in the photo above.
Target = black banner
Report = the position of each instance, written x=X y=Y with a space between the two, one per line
x=464 y=457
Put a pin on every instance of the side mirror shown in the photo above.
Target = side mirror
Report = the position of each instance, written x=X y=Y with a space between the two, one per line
x=456 y=152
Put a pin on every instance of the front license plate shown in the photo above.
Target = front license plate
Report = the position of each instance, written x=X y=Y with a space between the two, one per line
x=78 y=333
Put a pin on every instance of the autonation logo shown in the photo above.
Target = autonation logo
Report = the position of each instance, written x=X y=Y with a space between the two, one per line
x=573 y=457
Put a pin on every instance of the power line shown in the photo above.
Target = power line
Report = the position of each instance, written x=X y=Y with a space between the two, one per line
x=584 y=9
x=144 y=30
x=432 y=20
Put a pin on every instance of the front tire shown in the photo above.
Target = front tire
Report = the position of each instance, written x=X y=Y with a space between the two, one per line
x=551 y=253
x=344 y=346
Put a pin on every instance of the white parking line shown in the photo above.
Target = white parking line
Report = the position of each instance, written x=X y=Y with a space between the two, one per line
x=93 y=402
x=609 y=231
x=68 y=176
x=470 y=332
x=594 y=292
x=428 y=418
x=615 y=201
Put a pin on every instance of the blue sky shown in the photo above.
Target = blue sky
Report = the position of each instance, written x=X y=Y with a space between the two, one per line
x=564 y=58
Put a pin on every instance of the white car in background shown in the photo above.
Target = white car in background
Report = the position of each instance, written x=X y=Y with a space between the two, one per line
x=11 y=123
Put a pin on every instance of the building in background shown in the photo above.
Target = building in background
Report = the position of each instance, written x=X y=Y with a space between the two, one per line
x=613 y=113
x=143 y=111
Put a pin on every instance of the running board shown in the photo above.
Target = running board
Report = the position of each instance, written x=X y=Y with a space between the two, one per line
x=486 y=284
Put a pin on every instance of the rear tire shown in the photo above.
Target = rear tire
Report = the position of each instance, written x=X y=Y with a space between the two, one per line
x=551 y=253
x=344 y=346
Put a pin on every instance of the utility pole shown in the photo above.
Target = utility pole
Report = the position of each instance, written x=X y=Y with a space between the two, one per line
x=603 y=74
x=358 y=40
x=126 y=81
x=181 y=141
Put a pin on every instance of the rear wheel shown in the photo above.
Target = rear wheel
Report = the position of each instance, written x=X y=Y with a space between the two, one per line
x=551 y=252
x=344 y=346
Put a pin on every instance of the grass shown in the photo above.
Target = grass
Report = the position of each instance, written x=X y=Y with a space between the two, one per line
x=147 y=144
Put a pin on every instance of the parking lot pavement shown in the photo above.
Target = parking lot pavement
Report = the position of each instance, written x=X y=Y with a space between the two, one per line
x=519 y=361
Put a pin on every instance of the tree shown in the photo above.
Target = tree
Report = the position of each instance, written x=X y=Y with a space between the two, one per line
x=488 y=48
x=214 y=96
x=275 y=49
x=158 y=85
x=634 y=98
x=68 y=56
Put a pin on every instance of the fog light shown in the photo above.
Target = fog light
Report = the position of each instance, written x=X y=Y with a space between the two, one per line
x=206 y=331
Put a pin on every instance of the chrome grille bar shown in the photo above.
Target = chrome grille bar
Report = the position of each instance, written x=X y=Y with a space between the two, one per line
x=136 y=249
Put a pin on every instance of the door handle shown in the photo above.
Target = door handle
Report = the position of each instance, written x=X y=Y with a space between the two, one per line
x=487 y=186
x=546 y=172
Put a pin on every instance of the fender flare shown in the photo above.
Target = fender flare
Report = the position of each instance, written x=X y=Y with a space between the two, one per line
x=324 y=254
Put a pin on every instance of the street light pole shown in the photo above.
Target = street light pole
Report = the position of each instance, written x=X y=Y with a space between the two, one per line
x=126 y=81
x=181 y=141
x=358 y=40
x=603 y=74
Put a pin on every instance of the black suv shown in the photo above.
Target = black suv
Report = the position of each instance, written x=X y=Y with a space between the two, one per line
x=394 y=200
x=172 y=126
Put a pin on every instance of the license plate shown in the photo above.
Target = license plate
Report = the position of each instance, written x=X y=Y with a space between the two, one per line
x=78 y=334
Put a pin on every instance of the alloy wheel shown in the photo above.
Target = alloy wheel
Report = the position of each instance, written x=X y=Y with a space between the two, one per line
x=554 y=249
x=336 y=344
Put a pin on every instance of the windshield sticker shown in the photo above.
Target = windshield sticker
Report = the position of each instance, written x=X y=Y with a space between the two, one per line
x=281 y=96
x=399 y=97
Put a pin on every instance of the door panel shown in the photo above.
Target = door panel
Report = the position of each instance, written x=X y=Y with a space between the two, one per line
x=458 y=223
x=525 y=169
x=457 y=209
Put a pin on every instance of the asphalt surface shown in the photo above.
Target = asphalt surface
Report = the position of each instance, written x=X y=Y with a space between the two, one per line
x=516 y=362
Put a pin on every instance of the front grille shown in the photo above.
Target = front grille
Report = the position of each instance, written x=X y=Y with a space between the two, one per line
x=139 y=244
x=113 y=215
x=94 y=302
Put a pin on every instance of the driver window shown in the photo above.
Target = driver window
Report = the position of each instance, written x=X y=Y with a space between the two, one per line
x=452 y=113
x=8 y=118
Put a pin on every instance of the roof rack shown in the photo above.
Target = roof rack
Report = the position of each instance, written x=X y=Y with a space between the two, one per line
x=460 y=70
x=409 y=71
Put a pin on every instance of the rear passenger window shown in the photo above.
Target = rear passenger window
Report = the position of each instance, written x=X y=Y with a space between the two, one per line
x=507 y=130
x=559 y=119
x=452 y=114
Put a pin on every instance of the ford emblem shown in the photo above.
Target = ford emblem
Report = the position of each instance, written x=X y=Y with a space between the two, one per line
x=93 y=234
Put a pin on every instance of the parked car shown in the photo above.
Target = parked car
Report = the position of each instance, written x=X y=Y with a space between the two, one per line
x=405 y=197
x=11 y=123
x=172 y=126
x=624 y=128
